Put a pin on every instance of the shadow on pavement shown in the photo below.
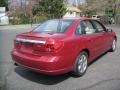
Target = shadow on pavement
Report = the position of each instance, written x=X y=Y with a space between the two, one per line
x=95 y=60
x=46 y=79
x=40 y=78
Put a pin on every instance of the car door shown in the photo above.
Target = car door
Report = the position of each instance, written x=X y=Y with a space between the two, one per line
x=92 y=40
x=101 y=30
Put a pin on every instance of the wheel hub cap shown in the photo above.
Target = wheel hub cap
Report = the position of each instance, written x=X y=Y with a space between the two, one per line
x=82 y=63
x=114 y=45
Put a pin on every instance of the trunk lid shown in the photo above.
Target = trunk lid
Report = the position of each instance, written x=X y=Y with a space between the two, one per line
x=34 y=42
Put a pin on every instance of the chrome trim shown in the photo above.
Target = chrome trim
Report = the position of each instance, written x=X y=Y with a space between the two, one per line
x=30 y=41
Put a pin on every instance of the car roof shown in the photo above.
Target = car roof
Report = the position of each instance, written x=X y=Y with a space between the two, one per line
x=76 y=18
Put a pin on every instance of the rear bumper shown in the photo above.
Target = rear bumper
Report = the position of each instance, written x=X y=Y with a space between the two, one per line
x=51 y=65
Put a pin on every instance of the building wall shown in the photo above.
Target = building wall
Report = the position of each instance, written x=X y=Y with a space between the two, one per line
x=3 y=18
x=74 y=2
x=71 y=14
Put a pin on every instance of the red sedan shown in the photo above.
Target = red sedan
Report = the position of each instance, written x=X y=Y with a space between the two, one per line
x=59 y=46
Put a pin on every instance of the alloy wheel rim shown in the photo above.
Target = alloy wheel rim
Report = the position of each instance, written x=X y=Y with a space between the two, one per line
x=114 y=45
x=82 y=64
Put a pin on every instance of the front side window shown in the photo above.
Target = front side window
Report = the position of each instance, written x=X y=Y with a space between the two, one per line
x=58 y=26
x=98 y=26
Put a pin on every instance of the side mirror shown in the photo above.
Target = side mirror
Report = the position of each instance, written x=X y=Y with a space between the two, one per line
x=109 y=30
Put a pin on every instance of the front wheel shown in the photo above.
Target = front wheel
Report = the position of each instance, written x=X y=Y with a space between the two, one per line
x=81 y=64
x=15 y=64
x=113 y=47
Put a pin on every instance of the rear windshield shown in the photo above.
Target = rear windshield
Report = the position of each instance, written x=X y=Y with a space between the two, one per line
x=58 y=26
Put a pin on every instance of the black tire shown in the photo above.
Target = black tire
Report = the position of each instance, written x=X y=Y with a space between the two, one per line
x=15 y=64
x=79 y=63
x=113 y=47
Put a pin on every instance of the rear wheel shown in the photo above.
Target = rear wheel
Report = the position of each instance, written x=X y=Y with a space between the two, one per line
x=81 y=64
x=113 y=47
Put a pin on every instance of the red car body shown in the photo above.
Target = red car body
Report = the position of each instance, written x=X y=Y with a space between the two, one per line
x=55 y=53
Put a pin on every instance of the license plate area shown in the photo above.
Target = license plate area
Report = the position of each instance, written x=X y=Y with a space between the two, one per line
x=28 y=44
x=27 y=47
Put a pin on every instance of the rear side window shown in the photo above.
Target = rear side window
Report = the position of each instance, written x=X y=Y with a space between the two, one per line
x=58 y=26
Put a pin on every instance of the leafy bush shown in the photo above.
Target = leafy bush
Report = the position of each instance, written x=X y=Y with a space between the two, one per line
x=40 y=18
x=24 y=20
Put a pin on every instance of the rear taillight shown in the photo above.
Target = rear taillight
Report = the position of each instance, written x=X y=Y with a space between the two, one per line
x=17 y=44
x=50 y=46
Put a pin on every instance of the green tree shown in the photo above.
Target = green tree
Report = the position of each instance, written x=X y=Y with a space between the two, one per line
x=4 y=3
x=98 y=7
x=50 y=8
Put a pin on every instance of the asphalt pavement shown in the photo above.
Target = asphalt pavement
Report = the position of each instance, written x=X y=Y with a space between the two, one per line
x=103 y=74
